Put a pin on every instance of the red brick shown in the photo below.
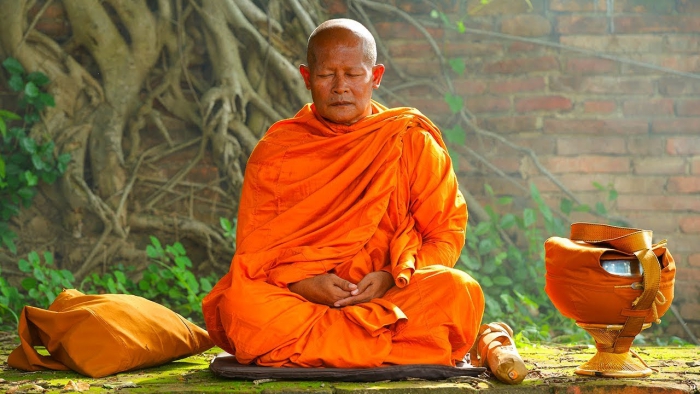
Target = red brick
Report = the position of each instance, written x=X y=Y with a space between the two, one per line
x=580 y=24
x=471 y=49
x=652 y=107
x=657 y=24
x=578 y=5
x=422 y=67
x=522 y=65
x=475 y=7
x=53 y=11
x=574 y=182
x=516 y=85
x=591 y=65
x=688 y=6
x=526 y=25
x=694 y=260
x=693 y=275
x=543 y=103
x=334 y=7
x=674 y=86
x=520 y=46
x=633 y=184
x=509 y=124
x=487 y=104
x=659 y=165
x=586 y=144
x=684 y=184
x=658 y=203
x=688 y=107
x=55 y=28
x=401 y=48
x=599 y=107
x=683 y=146
x=685 y=63
x=682 y=43
x=405 y=30
x=638 y=43
x=695 y=166
x=509 y=165
x=588 y=164
x=676 y=126
x=541 y=145
x=431 y=106
x=469 y=87
x=645 y=145
x=644 y=6
x=603 y=85
x=604 y=126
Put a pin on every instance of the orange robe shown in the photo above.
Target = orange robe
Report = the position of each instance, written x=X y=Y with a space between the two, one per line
x=317 y=198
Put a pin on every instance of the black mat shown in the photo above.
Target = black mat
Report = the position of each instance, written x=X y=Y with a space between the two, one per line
x=228 y=367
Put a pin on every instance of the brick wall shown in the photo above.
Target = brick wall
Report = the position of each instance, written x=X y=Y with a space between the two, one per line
x=589 y=119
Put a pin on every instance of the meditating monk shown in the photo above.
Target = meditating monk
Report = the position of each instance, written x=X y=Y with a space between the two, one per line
x=350 y=222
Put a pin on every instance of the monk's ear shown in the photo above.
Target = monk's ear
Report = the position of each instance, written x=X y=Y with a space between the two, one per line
x=377 y=74
x=305 y=72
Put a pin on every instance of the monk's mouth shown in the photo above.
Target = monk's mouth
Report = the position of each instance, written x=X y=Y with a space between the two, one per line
x=342 y=103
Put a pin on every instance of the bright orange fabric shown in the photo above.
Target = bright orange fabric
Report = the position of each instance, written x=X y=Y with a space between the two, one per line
x=377 y=195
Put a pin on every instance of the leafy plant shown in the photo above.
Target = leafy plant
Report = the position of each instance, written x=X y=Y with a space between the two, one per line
x=115 y=282
x=512 y=274
x=170 y=281
x=229 y=229
x=45 y=282
x=23 y=160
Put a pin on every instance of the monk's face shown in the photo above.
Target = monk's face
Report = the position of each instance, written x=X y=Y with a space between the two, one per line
x=340 y=78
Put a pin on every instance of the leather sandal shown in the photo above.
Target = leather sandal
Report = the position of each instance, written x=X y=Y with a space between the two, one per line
x=495 y=349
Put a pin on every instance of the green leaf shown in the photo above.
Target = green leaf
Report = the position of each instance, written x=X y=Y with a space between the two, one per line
x=488 y=189
x=29 y=283
x=566 y=205
x=3 y=127
x=152 y=252
x=582 y=208
x=31 y=90
x=600 y=208
x=485 y=246
x=205 y=285
x=502 y=281
x=486 y=281
x=47 y=100
x=28 y=144
x=32 y=180
x=9 y=115
x=48 y=258
x=24 y=265
x=507 y=221
x=612 y=195
x=598 y=186
x=434 y=14
x=461 y=28
x=455 y=135
x=225 y=224
x=33 y=257
x=16 y=83
x=505 y=200
x=121 y=278
x=529 y=217
x=455 y=102
x=39 y=78
x=457 y=65
x=2 y=172
x=13 y=66
x=454 y=158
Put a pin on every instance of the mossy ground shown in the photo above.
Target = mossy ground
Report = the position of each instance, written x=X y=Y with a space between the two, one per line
x=551 y=371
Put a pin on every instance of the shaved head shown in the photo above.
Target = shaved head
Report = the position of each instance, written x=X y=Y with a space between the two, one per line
x=341 y=30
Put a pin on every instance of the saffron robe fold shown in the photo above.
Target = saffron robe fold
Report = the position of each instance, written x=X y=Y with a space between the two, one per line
x=326 y=198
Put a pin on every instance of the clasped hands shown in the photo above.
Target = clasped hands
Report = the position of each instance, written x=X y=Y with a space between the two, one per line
x=332 y=290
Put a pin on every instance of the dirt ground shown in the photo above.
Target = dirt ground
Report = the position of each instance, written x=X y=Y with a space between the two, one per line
x=551 y=371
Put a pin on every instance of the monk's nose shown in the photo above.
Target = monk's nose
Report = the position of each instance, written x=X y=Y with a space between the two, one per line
x=340 y=86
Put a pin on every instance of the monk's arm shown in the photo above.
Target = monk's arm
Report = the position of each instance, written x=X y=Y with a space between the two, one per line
x=437 y=205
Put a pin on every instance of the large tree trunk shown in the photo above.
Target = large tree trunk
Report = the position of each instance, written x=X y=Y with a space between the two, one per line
x=159 y=104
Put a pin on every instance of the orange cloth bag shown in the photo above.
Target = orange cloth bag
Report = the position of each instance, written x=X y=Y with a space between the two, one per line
x=99 y=335
x=582 y=290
